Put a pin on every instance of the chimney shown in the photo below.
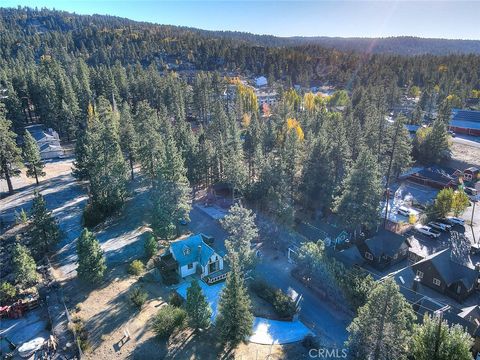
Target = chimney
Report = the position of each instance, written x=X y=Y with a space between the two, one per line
x=416 y=283
x=199 y=252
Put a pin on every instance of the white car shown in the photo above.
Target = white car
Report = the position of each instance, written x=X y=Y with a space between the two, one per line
x=439 y=226
x=455 y=221
x=403 y=210
x=427 y=230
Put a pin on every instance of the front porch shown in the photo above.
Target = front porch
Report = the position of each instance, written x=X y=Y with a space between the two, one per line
x=216 y=276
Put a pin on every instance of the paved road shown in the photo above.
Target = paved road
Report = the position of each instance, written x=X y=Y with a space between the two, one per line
x=468 y=142
x=315 y=313
x=318 y=315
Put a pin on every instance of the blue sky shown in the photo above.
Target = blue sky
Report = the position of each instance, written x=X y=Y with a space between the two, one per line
x=437 y=19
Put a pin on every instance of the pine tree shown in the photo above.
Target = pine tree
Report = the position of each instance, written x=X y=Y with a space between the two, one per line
x=234 y=321
x=151 y=149
x=24 y=266
x=382 y=327
x=31 y=155
x=234 y=166
x=318 y=178
x=359 y=202
x=45 y=231
x=172 y=191
x=10 y=157
x=197 y=307
x=434 y=340
x=91 y=261
x=402 y=153
x=128 y=136
x=431 y=144
x=108 y=171
x=241 y=229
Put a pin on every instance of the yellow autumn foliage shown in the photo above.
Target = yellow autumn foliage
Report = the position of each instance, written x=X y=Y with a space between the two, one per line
x=294 y=124
x=246 y=118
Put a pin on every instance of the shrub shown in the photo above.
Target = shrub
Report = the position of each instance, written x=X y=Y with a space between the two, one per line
x=81 y=333
x=21 y=217
x=138 y=297
x=168 y=319
x=7 y=292
x=150 y=246
x=283 y=305
x=136 y=267
x=175 y=300
x=310 y=342
x=92 y=216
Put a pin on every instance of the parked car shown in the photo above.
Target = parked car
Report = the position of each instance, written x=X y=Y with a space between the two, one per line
x=455 y=221
x=403 y=210
x=439 y=226
x=452 y=134
x=427 y=230
x=472 y=193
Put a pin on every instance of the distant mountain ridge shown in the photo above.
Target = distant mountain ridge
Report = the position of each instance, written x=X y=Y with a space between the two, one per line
x=400 y=45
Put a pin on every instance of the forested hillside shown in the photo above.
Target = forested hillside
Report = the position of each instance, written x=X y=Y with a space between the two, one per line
x=123 y=89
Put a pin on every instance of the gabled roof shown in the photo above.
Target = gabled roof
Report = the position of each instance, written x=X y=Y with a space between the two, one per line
x=451 y=271
x=419 y=248
x=437 y=174
x=465 y=119
x=473 y=311
x=190 y=250
x=466 y=115
x=385 y=243
x=350 y=256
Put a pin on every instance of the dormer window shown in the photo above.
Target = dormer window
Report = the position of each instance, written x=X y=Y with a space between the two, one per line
x=186 y=251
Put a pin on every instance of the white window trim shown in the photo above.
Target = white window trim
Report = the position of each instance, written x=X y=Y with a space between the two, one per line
x=368 y=255
x=420 y=274
x=437 y=282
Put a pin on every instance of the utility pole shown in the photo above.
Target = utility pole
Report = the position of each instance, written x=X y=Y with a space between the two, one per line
x=477 y=198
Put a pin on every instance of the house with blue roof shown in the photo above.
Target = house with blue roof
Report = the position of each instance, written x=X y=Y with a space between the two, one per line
x=192 y=255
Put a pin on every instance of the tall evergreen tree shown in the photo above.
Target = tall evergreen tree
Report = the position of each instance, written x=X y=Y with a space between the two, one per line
x=234 y=321
x=359 y=202
x=437 y=144
x=24 y=266
x=45 y=231
x=10 y=157
x=151 y=149
x=434 y=339
x=91 y=261
x=108 y=170
x=382 y=327
x=171 y=192
x=317 y=179
x=241 y=229
x=198 y=310
x=234 y=166
x=31 y=155
x=128 y=136
x=401 y=147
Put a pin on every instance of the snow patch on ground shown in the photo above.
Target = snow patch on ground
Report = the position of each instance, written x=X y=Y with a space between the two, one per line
x=265 y=331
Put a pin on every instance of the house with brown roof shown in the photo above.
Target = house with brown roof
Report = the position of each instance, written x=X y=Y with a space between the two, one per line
x=445 y=274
